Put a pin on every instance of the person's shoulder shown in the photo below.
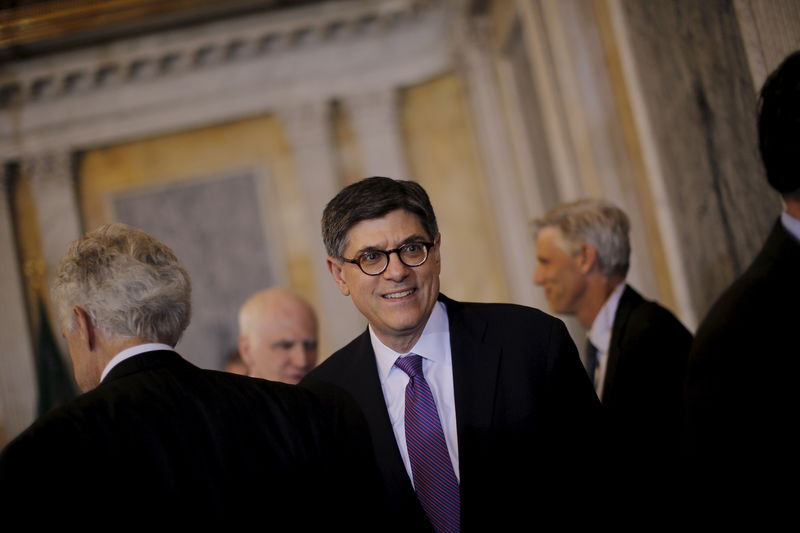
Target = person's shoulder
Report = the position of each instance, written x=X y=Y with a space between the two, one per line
x=61 y=429
x=650 y=313
x=248 y=386
x=502 y=318
x=510 y=325
x=763 y=293
x=343 y=361
x=504 y=315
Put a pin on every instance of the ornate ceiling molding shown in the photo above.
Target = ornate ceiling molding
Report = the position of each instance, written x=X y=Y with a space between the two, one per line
x=218 y=71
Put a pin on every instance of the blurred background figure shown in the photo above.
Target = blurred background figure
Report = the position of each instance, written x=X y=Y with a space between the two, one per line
x=741 y=385
x=234 y=363
x=636 y=350
x=278 y=335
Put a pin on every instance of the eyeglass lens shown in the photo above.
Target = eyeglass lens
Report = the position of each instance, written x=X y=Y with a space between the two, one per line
x=412 y=254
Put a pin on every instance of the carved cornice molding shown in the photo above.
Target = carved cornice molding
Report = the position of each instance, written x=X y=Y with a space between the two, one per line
x=218 y=71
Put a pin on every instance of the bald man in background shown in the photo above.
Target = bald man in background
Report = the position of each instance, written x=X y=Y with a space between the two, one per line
x=278 y=335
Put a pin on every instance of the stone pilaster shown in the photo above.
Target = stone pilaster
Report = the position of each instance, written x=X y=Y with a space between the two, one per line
x=375 y=119
x=17 y=376
x=506 y=195
x=308 y=128
x=56 y=204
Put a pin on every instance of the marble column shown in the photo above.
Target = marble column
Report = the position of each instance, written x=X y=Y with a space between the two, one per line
x=516 y=241
x=17 y=374
x=375 y=119
x=56 y=204
x=308 y=127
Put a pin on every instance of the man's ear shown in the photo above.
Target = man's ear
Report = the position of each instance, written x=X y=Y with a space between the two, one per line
x=244 y=350
x=437 y=241
x=335 y=267
x=86 y=328
x=587 y=258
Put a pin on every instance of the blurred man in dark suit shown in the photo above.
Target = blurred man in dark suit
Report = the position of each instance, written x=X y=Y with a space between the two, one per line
x=742 y=392
x=155 y=439
x=636 y=350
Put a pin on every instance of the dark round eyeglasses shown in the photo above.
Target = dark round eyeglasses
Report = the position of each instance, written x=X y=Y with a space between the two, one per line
x=374 y=262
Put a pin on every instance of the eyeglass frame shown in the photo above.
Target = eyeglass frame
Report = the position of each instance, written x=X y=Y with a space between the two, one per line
x=388 y=254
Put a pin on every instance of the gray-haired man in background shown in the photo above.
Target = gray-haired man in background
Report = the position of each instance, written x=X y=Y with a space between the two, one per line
x=636 y=349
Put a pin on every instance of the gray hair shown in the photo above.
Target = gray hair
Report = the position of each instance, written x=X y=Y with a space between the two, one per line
x=598 y=222
x=131 y=285
x=373 y=198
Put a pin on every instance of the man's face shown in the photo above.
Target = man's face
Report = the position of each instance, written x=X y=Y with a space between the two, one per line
x=283 y=346
x=558 y=272
x=397 y=302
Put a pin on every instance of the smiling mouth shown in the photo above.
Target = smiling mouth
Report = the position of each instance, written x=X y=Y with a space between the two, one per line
x=397 y=295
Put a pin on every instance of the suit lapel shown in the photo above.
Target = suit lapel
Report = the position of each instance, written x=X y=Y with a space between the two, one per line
x=475 y=367
x=627 y=303
x=365 y=386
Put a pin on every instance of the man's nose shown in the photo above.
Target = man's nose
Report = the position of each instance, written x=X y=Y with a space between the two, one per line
x=300 y=356
x=538 y=276
x=396 y=270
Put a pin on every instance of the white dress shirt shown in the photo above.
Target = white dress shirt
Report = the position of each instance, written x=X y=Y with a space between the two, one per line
x=600 y=335
x=434 y=348
x=791 y=224
x=132 y=351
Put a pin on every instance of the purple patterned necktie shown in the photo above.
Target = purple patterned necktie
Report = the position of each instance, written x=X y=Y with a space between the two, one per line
x=434 y=480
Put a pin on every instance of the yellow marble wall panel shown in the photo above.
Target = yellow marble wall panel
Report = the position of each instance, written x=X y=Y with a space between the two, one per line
x=257 y=143
x=443 y=157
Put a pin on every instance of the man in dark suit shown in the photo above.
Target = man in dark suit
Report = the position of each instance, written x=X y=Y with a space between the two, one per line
x=636 y=350
x=742 y=392
x=155 y=439
x=505 y=403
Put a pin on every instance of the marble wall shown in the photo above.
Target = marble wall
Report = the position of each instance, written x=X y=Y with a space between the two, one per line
x=701 y=105
x=211 y=223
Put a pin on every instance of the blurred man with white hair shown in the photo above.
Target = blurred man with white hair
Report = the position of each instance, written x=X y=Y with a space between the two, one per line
x=278 y=335
x=636 y=350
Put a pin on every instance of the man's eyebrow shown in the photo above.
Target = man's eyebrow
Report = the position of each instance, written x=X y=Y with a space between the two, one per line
x=280 y=342
x=407 y=240
x=414 y=238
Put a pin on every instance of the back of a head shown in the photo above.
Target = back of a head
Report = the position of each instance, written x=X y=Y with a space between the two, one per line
x=598 y=222
x=779 y=127
x=131 y=285
x=371 y=198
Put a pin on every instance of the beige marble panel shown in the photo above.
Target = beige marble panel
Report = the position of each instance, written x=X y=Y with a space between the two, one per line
x=257 y=143
x=443 y=157
x=771 y=31
x=699 y=97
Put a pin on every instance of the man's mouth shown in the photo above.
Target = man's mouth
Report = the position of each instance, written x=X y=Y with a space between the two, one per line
x=401 y=294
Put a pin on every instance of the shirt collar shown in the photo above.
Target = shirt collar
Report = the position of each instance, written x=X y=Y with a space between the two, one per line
x=130 y=352
x=791 y=224
x=600 y=332
x=431 y=345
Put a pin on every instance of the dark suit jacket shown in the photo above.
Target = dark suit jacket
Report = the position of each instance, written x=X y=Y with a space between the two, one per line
x=162 y=440
x=643 y=388
x=743 y=397
x=524 y=408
